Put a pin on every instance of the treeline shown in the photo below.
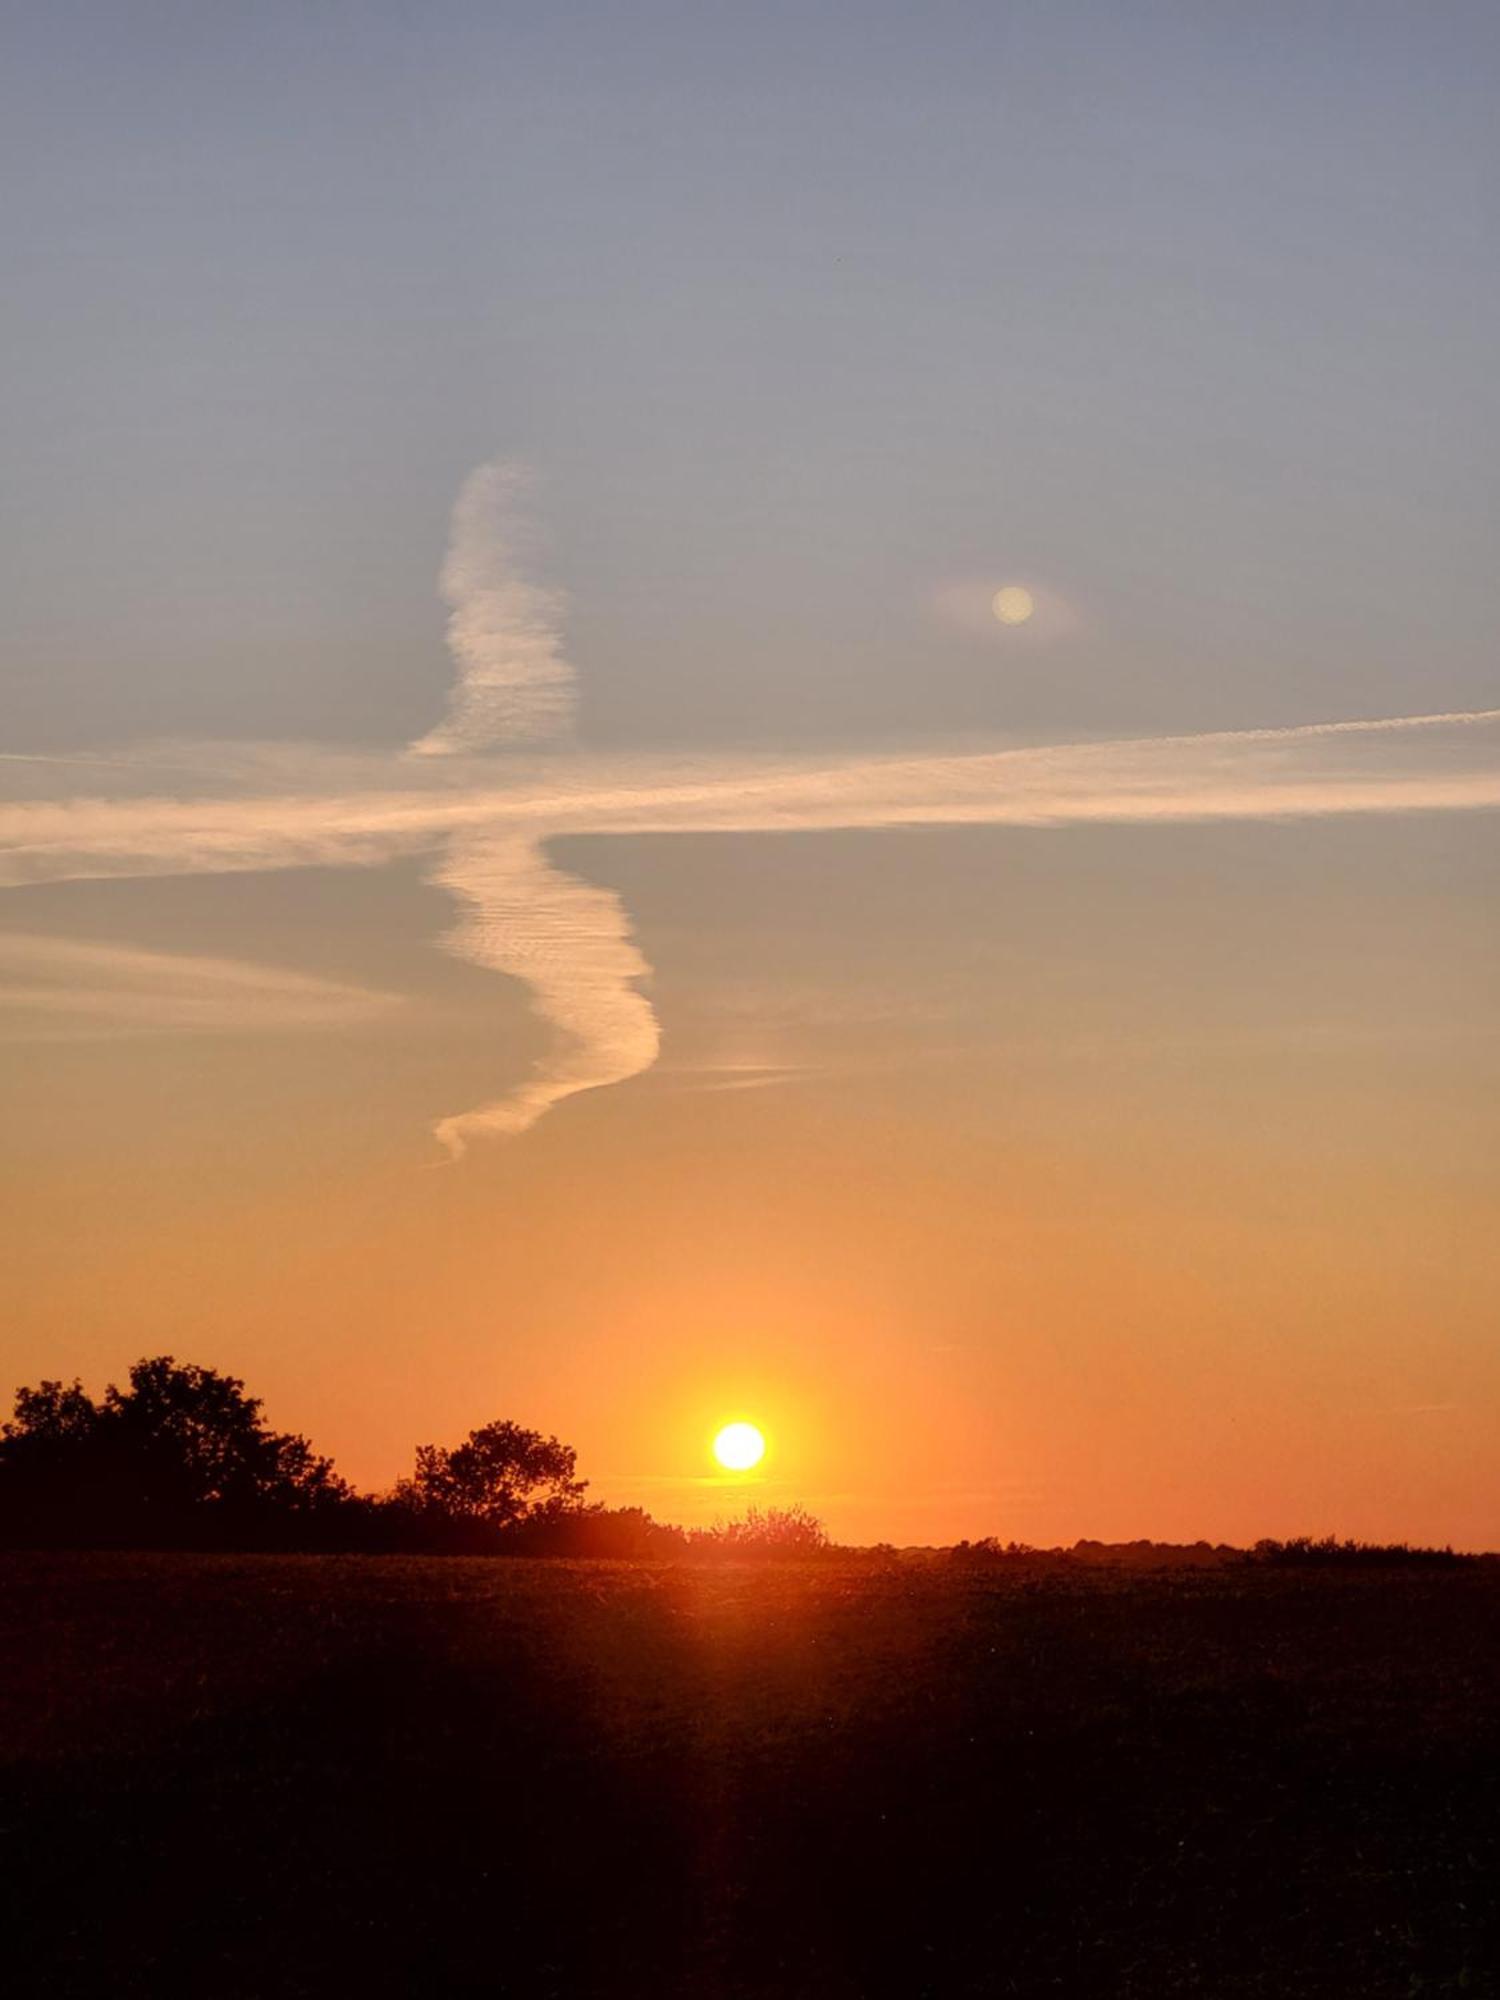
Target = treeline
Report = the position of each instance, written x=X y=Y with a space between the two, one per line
x=183 y=1458
x=1302 y=1551
x=1321 y=1551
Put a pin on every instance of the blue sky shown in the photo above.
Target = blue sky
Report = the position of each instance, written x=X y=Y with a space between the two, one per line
x=798 y=311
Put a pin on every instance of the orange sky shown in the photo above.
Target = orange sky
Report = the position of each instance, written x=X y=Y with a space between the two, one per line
x=535 y=881
x=1110 y=1184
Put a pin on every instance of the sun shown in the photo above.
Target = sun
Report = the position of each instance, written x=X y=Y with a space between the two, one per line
x=739 y=1447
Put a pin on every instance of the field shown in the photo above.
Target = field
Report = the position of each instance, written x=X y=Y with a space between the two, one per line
x=267 y=1776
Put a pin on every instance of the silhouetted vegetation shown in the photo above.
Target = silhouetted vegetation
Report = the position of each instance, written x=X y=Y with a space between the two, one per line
x=763 y=1534
x=499 y=1480
x=989 y=1548
x=183 y=1458
x=1306 y=1551
x=598 y=1534
x=1115 y=1768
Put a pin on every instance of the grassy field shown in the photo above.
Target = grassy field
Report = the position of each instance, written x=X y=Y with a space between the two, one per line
x=247 y=1776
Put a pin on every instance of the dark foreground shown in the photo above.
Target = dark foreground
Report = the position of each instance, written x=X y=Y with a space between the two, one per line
x=233 y=1776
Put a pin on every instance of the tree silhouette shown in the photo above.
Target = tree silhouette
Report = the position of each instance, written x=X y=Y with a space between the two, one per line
x=183 y=1452
x=195 y=1438
x=52 y=1416
x=182 y=1457
x=498 y=1477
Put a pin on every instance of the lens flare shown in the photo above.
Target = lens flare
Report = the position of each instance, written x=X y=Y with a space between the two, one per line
x=739 y=1447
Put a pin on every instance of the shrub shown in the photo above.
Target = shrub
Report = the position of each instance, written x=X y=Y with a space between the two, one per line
x=596 y=1534
x=764 y=1535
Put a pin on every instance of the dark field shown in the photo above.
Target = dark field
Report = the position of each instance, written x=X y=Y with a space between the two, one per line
x=356 y=1776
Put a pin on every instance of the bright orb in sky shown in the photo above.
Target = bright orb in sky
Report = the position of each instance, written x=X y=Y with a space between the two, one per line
x=738 y=1447
x=1013 y=604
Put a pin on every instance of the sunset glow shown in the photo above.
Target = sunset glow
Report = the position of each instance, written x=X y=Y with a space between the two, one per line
x=749 y=977
x=722 y=673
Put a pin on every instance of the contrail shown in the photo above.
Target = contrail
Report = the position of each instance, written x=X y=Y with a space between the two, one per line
x=1384 y=765
x=489 y=818
x=504 y=632
x=570 y=943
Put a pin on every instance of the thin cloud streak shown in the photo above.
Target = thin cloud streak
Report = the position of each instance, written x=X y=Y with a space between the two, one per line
x=102 y=991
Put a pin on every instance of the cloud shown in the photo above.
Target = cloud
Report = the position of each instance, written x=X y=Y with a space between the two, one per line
x=571 y=945
x=717 y=1077
x=180 y=809
x=61 y=989
x=504 y=632
x=1386 y=765
x=491 y=819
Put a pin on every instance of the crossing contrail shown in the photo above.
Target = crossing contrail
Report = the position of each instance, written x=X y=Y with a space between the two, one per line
x=488 y=815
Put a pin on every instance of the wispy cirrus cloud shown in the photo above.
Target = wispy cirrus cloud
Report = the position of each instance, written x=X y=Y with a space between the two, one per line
x=490 y=818
x=64 y=989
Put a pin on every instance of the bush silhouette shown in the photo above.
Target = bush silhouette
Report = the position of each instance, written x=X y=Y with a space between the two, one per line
x=596 y=1534
x=763 y=1534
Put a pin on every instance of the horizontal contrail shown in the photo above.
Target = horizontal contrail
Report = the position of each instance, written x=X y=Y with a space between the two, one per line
x=490 y=820
x=1433 y=763
x=256 y=807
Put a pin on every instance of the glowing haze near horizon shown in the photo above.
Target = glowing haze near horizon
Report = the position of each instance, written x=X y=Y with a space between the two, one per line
x=506 y=523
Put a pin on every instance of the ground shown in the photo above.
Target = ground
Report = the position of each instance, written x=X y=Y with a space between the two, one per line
x=274 y=1776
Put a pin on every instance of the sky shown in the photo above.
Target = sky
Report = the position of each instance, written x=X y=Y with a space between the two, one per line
x=533 y=881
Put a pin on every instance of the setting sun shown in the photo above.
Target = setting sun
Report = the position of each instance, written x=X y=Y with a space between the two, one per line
x=739 y=1447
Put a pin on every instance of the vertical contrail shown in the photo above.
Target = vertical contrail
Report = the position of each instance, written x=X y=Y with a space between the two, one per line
x=570 y=943
x=504 y=632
